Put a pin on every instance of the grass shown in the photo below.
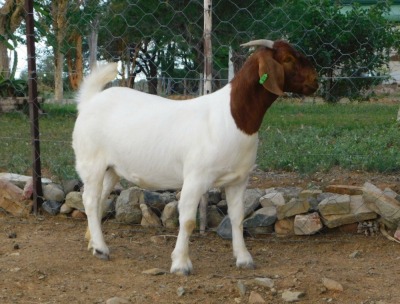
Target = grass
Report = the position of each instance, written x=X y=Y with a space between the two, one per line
x=309 y=138
x=294 y=137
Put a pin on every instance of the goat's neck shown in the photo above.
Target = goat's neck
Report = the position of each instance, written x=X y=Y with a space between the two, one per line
x=249 y=100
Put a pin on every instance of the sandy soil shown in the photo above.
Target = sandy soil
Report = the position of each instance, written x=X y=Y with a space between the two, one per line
x=43 y=259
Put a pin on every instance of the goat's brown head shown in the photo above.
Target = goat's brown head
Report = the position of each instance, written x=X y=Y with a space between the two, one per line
x=281 y=68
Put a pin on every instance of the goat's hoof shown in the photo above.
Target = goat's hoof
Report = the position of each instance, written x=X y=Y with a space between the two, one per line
x=101 y=255
x=245 y=262
x=246 y=265
x=181 y=271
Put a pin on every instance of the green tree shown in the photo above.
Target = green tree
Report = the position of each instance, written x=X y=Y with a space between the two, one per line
x=350 y=48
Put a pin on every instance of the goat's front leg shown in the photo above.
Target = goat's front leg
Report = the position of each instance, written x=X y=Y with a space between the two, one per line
x=234 y=197
x=188 y=203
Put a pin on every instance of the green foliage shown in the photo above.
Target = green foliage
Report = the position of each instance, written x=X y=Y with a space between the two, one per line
x=350 y=47
x=13 y=87
x=310 y=138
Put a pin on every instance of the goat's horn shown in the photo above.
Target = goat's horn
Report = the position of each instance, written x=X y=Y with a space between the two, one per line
x=262 y=42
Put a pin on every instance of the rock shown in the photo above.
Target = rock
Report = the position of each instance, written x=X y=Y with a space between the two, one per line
x=307 y=224
x=78 y=214
x=127 y=207
x=291 y=208
x=397 y=234
x=344 y=189
x=51 y=207
x=65 y=209
x=389 y=192
x=108 y=207
x=284 y=227
x=117 y=300
x=292 y=296
x=28 y=189
x=149 y=218
x=223 y=206
x=214 y=196
x=336 y=204
x=158 y=200
x=324 y=195
x=180 y=291
x=262 y=217
x=287 y=192
x=311 y=196
x=255 y=298
x=53 y=192
x=214 y=216
x=349 y=228
x=71 y=185
x=155 y=271
x=271 y=199
x=332 y=284
x=252 y=200
x=358 y=212
x=74 y=200
x=266 y=282
x=354 y=255
x=385 y=206
x=12 y=199
x=242 y=288
x=20 y=180
x=170 y=215
x=224 y=229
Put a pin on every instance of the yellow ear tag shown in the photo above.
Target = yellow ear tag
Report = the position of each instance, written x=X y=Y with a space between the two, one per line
x=263 y=78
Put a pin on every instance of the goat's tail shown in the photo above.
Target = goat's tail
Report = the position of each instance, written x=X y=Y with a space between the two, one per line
x=95 y=82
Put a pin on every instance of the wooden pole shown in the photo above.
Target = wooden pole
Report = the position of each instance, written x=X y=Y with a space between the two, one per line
x=33 y=107
x=207 y=46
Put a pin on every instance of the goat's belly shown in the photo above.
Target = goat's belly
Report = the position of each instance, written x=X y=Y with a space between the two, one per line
x=149 y=179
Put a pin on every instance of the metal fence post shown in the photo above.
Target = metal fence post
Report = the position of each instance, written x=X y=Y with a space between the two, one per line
x=33 y=108
x=207 y=46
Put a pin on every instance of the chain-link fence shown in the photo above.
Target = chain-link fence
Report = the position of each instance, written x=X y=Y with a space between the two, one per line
x=160 y=47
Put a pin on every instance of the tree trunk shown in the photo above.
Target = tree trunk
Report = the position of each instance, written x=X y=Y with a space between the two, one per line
x=92 y=40
x=152 y=80
x=58 y=80
x=75 y=61
x=11 y=15
x=59 y=11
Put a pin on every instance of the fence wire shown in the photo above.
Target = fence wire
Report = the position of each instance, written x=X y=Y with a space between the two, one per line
x=160 y=49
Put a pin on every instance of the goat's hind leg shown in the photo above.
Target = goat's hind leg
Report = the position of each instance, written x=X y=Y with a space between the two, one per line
x=234 y=197
x=96 y=190
x=110 y=179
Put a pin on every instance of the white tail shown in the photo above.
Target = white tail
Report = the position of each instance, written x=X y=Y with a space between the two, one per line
x=95 y=82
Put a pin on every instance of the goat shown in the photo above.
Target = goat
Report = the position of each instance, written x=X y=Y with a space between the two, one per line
x=209 y=141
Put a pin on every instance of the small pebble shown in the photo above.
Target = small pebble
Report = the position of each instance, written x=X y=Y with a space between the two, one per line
x=332 y=284
x=355 y=254
x=242 y=288
x=154 y=271
x=16 y=246
x=12 y=235
x=180 y=291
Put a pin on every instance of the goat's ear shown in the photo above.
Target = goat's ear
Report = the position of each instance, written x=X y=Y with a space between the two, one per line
x=275 y=75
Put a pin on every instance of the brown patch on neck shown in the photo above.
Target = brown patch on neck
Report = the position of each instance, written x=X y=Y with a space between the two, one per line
x=249 y=99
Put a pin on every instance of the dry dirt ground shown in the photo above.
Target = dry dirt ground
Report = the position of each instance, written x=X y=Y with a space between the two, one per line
x=43 y=259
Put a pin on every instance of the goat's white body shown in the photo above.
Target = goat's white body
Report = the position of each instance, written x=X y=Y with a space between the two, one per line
x=161 y=144
x=156 y=143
